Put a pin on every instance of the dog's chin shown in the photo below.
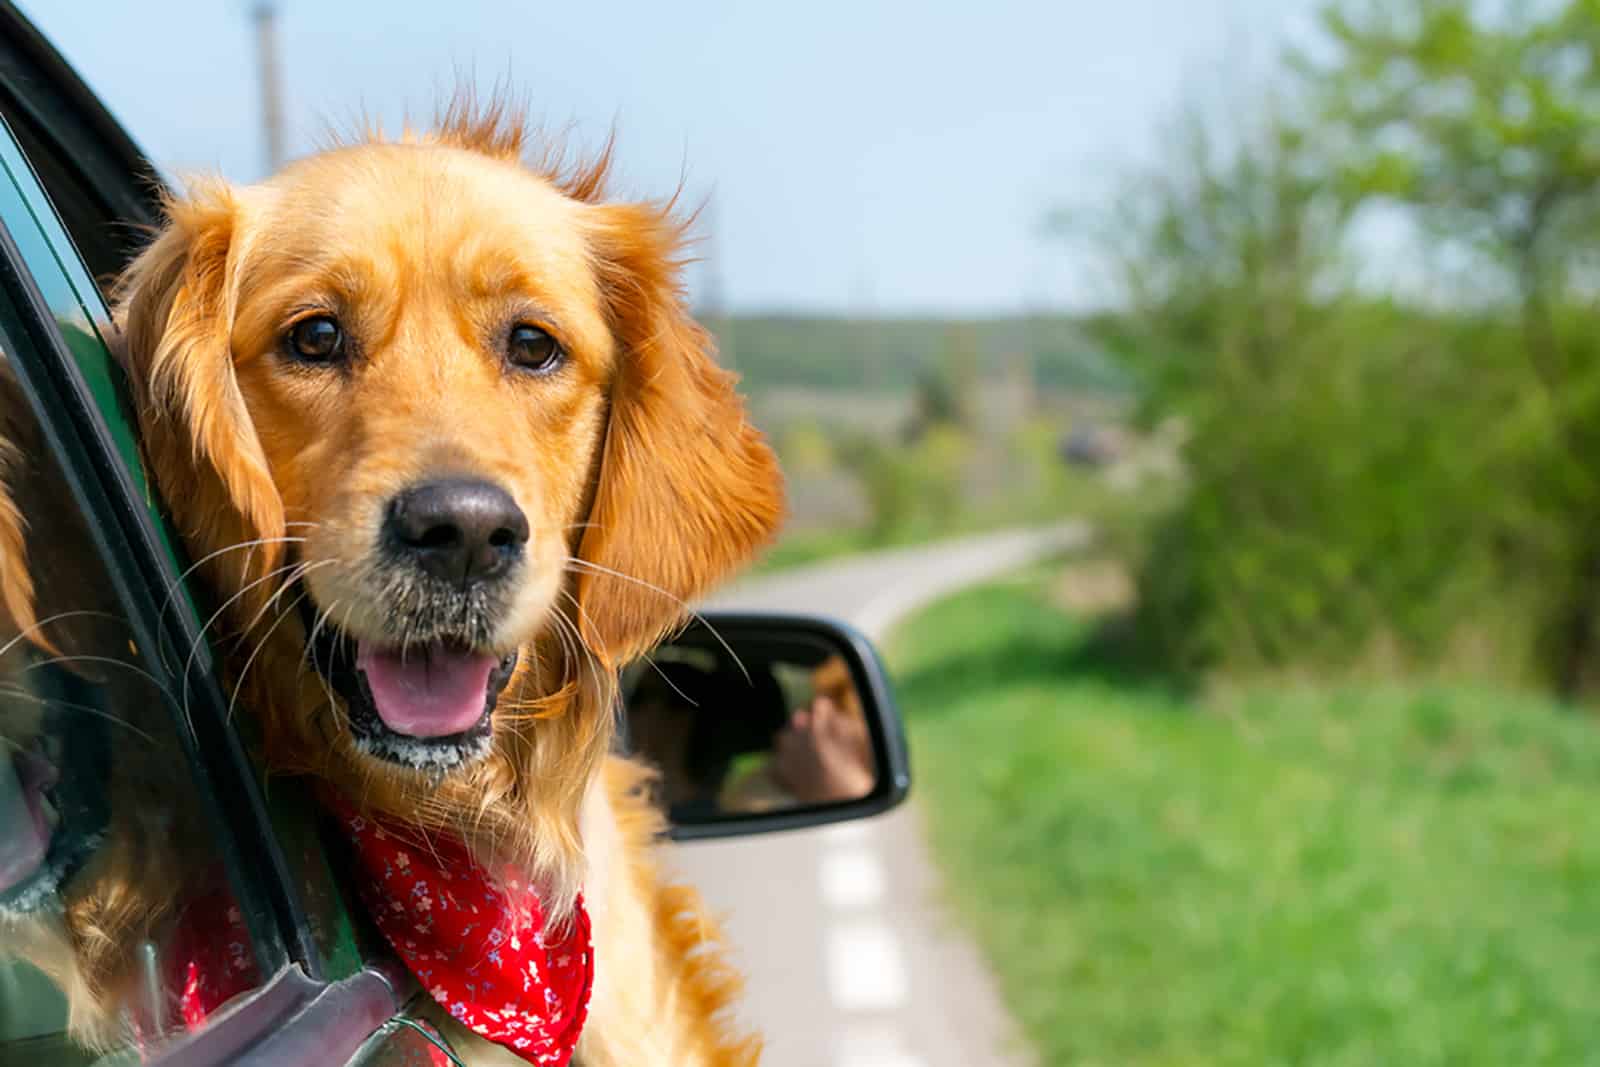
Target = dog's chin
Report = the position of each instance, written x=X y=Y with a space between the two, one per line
x=427 y=708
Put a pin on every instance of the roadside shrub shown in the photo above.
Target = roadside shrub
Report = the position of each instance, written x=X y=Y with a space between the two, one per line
x=1370 y=476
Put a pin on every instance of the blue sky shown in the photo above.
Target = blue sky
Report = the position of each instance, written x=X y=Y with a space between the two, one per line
x=870 y=156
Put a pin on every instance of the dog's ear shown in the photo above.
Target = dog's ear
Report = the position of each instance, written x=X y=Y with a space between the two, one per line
x=687 y=487
x=176 y=306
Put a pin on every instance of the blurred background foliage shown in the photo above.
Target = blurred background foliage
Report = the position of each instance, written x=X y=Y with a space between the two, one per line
x=1284 y=769
x=1343 y=411
x=900 y=430
x=1382 y=469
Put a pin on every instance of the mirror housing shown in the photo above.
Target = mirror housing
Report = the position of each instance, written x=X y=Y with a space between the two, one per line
x=747 y=726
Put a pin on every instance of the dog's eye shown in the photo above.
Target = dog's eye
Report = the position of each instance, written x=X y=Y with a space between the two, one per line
x=316 y=340
x=535 y=349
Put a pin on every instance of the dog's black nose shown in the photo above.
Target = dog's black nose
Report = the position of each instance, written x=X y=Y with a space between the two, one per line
x=458 y=530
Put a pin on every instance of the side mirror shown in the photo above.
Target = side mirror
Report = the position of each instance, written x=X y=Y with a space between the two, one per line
x=762 y=722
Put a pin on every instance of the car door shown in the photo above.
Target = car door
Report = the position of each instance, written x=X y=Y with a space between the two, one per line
x=104 y=650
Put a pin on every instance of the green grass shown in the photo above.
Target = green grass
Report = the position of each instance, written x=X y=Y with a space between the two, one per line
x=1338 y=876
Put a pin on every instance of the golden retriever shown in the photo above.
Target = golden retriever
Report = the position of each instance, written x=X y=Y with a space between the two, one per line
x=435 y=416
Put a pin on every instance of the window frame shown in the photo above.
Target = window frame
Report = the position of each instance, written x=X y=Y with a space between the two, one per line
x=29 y=264
x=297 y=1016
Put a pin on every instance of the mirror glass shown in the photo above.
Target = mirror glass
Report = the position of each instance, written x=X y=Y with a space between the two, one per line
x=745 y=721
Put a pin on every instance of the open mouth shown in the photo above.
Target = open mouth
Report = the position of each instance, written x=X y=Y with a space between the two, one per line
x=52 y=813
x=428 y=706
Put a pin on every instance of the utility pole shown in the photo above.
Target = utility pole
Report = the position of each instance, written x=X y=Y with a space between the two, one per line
x=265 y=14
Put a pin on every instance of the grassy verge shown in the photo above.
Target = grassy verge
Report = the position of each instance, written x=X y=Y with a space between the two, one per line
x=1351 y=876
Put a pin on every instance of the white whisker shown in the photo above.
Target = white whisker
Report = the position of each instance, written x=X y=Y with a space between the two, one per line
x=124 y=664
x=595 y=568
x=322 y=619
x=172 y=588
x=260 y=645
x=57 y=617
x=199 y=637
x=583 y=650
x=305 y=569
x=16 y=692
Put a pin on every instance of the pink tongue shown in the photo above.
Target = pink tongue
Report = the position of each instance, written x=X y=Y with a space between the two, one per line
x=432 y=693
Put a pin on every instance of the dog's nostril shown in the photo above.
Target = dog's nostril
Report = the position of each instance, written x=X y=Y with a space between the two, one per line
x=438 y=537
x=460 y=530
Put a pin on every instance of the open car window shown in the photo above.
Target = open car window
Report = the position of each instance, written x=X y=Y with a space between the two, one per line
x=94 y=198
x=75 y=204
x=120 y=926
x=239 y=944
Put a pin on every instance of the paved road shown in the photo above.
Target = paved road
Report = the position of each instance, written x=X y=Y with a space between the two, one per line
x=852 y=959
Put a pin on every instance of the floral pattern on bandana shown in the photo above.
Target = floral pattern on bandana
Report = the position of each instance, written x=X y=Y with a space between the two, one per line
x=480 y=948
x=213 y=958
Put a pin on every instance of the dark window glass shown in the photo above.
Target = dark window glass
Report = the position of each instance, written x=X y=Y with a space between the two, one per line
x=104 y=209
x=118 y=923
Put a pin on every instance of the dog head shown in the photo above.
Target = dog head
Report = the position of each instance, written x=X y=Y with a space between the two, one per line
x=439 y=424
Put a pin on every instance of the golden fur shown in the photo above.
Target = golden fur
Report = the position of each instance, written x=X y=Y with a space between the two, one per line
x=641 y=477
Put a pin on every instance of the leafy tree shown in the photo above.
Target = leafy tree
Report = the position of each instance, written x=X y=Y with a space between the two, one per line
x=1483 y=121
x=1364 y=472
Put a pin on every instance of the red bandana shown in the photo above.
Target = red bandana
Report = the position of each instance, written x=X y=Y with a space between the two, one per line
x=207 y=963
x=209 y=960
x=481 y=950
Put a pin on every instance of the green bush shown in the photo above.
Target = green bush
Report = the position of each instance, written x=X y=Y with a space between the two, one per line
x=910 y=486
x=1369 y=476
x=1346 y=506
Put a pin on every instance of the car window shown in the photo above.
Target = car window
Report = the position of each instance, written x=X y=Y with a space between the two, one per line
x=101 y=214
x=104 y=240
x=119 y=922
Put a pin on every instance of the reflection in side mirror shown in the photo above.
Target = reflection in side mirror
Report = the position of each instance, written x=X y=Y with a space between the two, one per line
x=766 y=722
